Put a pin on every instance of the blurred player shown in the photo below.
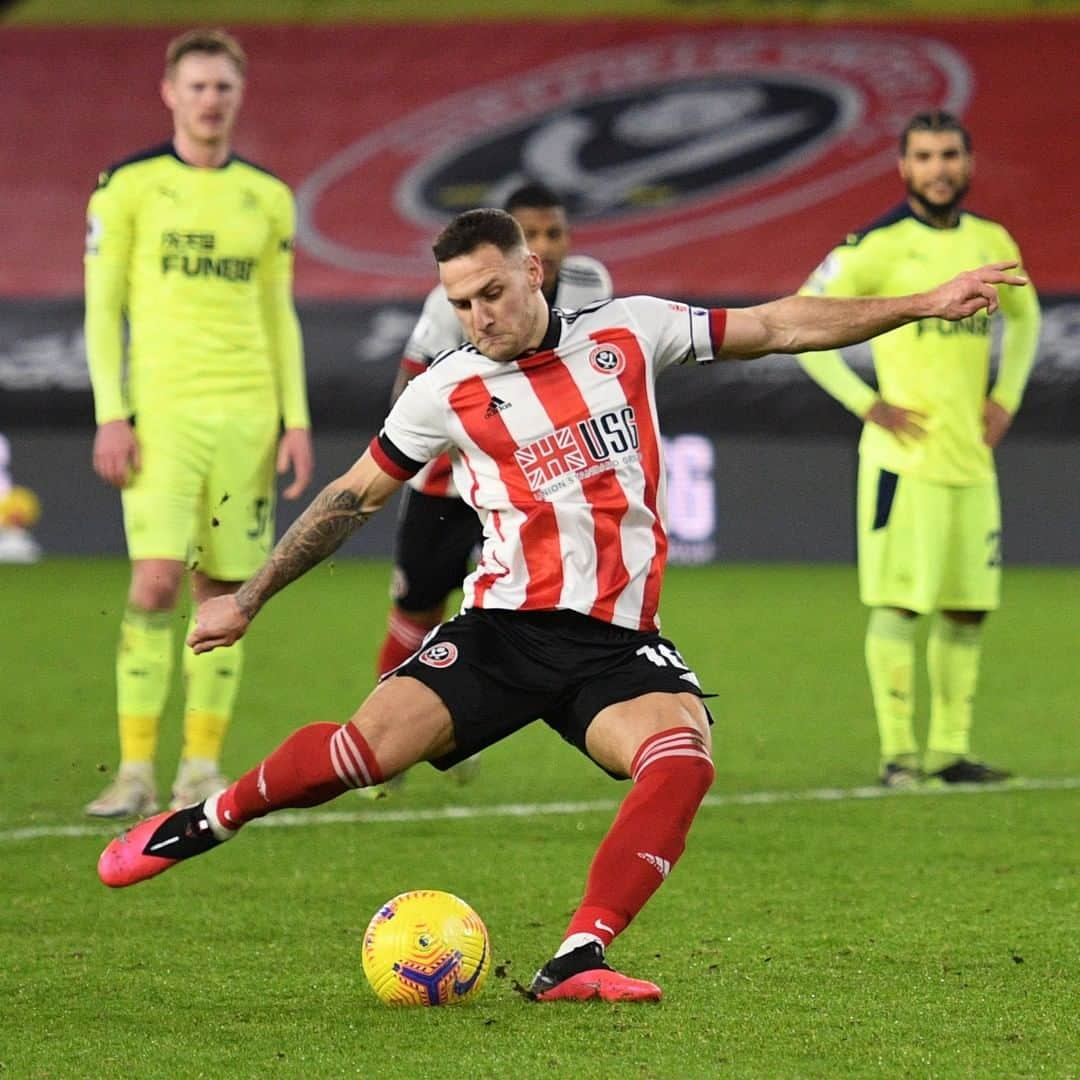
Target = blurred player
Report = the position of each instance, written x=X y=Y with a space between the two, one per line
x=560 y=618
x=193 y=245
x=437 y=532
x=929 y=519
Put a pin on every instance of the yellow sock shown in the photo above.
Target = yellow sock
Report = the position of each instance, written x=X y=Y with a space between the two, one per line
x=212 y=680
x=144 y=660
x=952 y=658
x=890 y=663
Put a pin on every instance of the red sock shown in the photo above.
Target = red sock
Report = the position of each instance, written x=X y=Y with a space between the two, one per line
x=671 y=773
x=313 y=765
x=403 y=638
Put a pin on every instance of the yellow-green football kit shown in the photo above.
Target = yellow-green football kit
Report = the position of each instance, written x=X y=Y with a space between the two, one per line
x=191 y=335
x=198 y=263
x=928 y=512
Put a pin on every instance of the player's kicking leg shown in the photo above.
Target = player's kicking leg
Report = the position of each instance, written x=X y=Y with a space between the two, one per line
x=402 y=722
x=661 y=741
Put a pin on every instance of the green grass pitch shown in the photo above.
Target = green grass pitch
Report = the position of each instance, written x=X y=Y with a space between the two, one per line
x=806 y=933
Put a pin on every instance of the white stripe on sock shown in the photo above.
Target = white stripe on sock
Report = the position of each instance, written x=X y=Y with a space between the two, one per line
x=342 y=765
x=682 y=738
x=685 y=750
x=348 y=761
x=357 y=757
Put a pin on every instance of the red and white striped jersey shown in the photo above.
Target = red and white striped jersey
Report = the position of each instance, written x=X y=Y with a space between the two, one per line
x=559 y=452
x=582 y=280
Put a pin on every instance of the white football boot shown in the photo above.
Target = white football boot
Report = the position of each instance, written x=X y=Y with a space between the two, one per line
x=132 y=794
x=196 y=779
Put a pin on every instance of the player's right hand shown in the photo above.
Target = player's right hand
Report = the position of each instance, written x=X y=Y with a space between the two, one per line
x=973 y=290
x=116 y=453
x=904 y=423
x=219 y=622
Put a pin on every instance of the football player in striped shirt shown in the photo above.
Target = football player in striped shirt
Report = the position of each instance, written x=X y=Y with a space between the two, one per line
x=560 y=619
x=437 y=532
x=190 y=248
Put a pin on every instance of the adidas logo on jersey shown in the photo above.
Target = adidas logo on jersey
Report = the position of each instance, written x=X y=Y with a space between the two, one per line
x=657 y=862
x=495 y=406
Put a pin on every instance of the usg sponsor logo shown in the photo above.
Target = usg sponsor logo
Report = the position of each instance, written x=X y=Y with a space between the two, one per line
x=578 y=451
x=653 y=145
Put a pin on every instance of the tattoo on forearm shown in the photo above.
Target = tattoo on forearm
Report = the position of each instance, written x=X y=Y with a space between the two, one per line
x=332 y=517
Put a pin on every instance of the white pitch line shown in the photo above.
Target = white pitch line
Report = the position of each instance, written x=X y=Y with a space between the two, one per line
x=563 y=809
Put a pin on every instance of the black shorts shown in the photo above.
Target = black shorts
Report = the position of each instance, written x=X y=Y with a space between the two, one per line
x=433 y=549
x=498 y=671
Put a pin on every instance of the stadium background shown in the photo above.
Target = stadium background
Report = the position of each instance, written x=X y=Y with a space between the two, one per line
x=814 y=930
x=386 y=121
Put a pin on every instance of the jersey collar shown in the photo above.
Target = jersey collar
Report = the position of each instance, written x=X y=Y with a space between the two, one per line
x=927 y=225
x=176 y=154
x=547 y=344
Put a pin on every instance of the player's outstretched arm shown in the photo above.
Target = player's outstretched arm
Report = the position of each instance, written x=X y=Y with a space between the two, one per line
x=333 y=516
x=807 y=323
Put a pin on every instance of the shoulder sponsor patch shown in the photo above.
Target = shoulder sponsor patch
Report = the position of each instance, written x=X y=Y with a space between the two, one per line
x=826 y=270
x=93 y=234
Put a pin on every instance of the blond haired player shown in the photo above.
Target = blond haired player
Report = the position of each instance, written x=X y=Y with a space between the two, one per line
x=929 y=518
x=191 y=246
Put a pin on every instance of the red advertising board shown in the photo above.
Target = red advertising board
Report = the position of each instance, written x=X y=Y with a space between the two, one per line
x=697 y=160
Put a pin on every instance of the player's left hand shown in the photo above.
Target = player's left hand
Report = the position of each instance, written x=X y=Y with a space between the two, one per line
x=973 y=291
x=908 y=425
x=996 y=421
x=295 y=451
x=219 y=622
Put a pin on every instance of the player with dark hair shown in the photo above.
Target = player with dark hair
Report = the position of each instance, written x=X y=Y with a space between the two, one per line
x=936 y=122
x=929 y=516
x=192 y=247
x=560 y=618
x=437 y=532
